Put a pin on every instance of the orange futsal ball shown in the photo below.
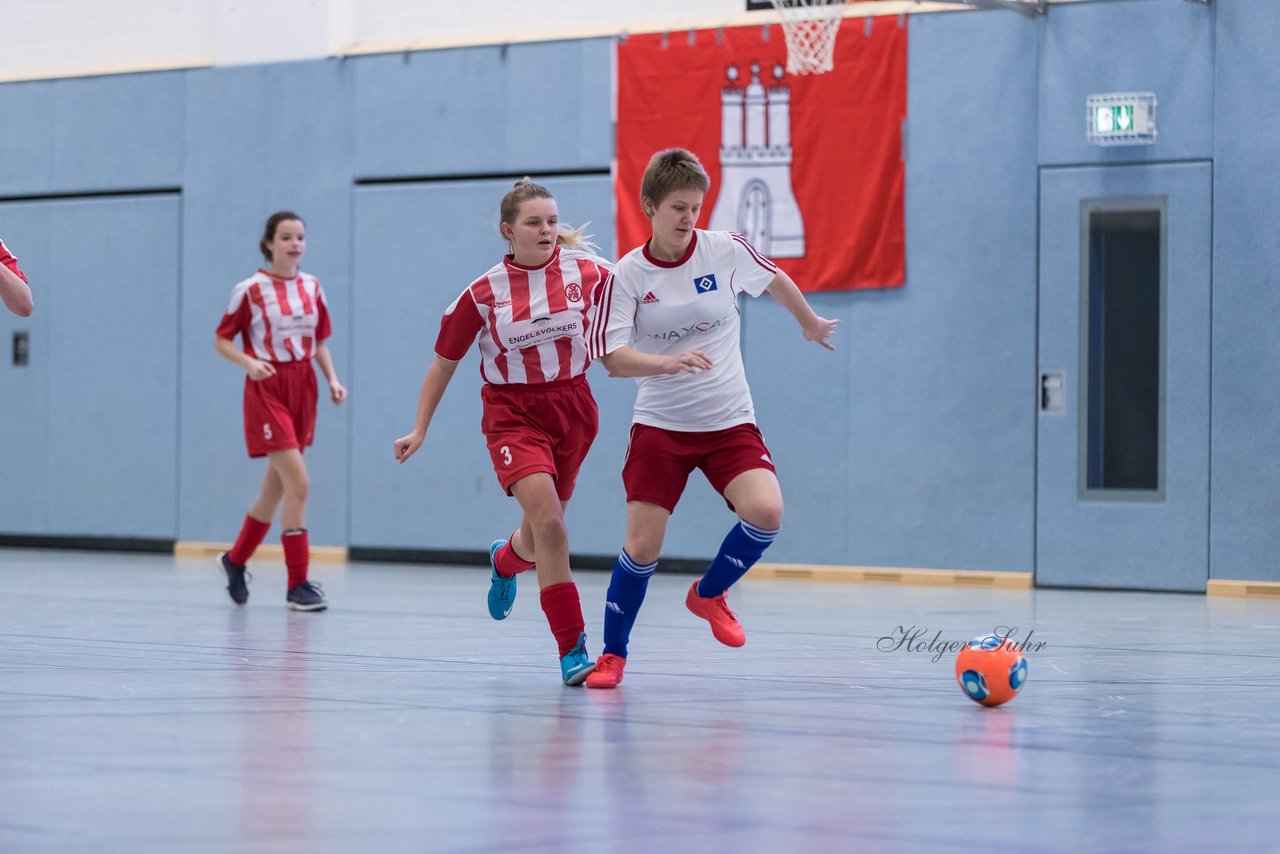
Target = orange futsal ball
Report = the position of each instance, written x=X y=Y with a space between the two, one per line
x=990 y=670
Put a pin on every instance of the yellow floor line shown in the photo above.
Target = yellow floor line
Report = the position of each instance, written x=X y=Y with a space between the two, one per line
x=267 y=551
x=1231 y=587
x=891 y=575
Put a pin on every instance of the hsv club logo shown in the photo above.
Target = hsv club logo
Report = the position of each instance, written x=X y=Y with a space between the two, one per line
x=705 y=284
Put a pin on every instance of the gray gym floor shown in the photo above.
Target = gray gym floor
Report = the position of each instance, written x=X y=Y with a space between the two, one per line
x=140 y=711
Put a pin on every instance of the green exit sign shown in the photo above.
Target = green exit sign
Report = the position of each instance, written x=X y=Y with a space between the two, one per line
x=1121 y=118
x=1115 y=118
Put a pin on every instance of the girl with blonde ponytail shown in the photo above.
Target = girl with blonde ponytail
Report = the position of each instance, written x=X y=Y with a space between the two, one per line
x=530 y=313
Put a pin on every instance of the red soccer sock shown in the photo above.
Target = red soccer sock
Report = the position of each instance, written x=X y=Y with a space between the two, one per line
x=297 y=555
x=508 y=563
x=564 y=613
x=251 y=535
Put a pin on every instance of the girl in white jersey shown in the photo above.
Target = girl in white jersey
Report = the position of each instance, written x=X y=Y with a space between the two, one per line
x=14 y=292
x=282 y=316
x=669 y=317
x=530 y=313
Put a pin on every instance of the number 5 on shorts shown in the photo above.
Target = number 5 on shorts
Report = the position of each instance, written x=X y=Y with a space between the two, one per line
x=505 y=450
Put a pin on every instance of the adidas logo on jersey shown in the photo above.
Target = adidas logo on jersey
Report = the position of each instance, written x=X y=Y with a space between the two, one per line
x=649 y=299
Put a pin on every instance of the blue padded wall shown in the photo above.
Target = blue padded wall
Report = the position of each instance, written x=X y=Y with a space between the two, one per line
x=1163 y=46
x=27 y=229
x=1245 y=492
x=94 y=134
x=484 y=110
x=913 y=445
x=929 y=422
x=103 y=385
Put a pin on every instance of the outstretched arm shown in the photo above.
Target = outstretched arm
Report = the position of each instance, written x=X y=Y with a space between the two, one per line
x=628 y=362
x=438 y=377
x=815 y=328
x=14 y=293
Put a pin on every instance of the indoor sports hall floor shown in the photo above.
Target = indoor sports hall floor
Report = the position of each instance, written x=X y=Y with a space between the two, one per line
x=141 y=712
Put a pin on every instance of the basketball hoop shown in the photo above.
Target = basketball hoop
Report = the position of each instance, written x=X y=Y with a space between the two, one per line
x=810 y=29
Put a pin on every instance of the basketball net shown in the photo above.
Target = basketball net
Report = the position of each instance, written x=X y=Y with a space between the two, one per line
x=810 y=29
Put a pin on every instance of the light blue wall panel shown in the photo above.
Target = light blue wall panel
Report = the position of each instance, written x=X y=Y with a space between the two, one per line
x=260 y=139
x=26 y=146
x=93 y=134
x=1245 y=506
x=92 y=431
x=26 y=228
x=484 y=110
x=805 y=404
x=1163 y=46
x=911 y=446
x=114 y=390
x=416 y=247
x=940 y=388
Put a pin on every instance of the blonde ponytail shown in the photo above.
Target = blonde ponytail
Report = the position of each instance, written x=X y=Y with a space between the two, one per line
x=577 y=238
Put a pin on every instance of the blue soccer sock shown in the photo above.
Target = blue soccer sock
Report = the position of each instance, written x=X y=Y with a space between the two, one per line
x=627 y=587
x=742 y=547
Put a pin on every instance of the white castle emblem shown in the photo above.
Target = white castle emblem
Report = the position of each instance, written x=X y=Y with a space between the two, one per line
x=755 y=160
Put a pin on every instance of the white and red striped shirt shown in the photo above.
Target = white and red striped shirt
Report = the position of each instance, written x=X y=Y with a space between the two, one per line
x=9 y=261
x=280 y=319
x=532 y=321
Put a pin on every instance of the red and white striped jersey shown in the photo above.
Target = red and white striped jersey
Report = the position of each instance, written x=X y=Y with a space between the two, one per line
x=9 y=261
x=280 y=319
x=532 y=321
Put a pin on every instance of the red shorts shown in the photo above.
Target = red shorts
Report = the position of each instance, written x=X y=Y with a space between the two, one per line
x=659 y=461
x=280 y=411
x=547 y=427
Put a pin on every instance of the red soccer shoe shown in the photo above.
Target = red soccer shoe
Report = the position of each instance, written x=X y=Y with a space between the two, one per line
x=608 y=672
x=724 y=625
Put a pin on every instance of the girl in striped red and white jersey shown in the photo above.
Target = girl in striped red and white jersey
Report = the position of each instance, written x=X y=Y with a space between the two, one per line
x=14 y=292
x=281 y=315
x=530 y=313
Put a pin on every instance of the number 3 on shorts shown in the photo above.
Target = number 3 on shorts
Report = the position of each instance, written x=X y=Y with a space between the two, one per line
x=505 y=450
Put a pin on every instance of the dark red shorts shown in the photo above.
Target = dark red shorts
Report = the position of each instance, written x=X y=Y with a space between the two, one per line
x=280 y=411
x=659 y=461
x=547 y=427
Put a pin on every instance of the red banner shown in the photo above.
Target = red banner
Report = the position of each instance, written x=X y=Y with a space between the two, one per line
x=809 y=168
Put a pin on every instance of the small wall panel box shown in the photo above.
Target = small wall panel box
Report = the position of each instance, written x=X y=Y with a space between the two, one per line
x=1121 y=118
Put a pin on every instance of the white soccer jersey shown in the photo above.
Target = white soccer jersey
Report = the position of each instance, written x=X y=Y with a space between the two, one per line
x=666 y=307
x=281 y=319
x=532 y=321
